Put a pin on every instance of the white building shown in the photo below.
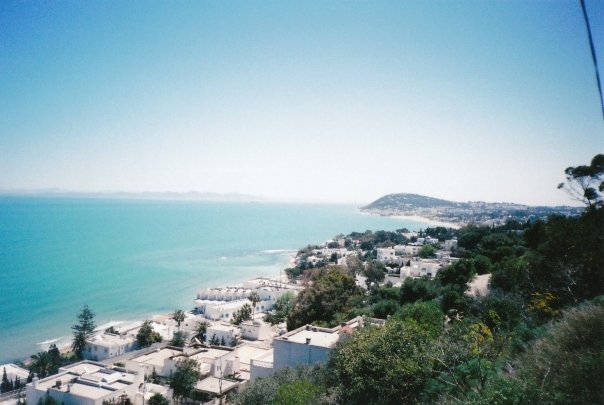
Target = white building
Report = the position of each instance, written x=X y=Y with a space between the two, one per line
x=421 y=268
x=221 y=303
x=386 y=255
x=410 y=249
x=156 y=360
x=219 y=310
x=13 y=371
x=305 y=345
x=214 y=362
x=107 y=345
x=450 y=244
x=223 y=331
x=256 y=330
x=431 y=240
x=86 y=383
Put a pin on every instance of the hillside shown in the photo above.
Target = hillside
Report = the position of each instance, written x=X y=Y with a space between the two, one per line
x=460 y=212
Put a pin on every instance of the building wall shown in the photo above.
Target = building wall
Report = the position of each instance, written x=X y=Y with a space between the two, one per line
x=99 y=352
x=290 y=354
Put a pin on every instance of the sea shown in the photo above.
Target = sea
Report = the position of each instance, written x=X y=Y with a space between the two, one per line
x=131 y=259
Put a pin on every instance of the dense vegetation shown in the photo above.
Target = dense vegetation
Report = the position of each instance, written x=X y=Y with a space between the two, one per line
x=536 y=337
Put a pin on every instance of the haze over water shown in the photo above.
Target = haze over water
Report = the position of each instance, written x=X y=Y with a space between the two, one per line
x=130 y=259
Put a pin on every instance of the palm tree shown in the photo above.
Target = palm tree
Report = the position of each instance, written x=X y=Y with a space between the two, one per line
x=200 y=331
x=40 y=364
x=178 y=316
x=255 y=298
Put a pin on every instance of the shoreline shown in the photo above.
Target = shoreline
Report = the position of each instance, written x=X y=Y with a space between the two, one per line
x=64 y=342
x=435 y=222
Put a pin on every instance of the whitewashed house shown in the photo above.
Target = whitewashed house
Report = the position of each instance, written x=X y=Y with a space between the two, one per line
x=86 y=383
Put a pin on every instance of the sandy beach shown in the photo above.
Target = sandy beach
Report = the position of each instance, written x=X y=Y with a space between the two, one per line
x=454 y=225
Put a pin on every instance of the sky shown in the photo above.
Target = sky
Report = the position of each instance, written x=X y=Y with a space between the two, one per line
x=333 y=101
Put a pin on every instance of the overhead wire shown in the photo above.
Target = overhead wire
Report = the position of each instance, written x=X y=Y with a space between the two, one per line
x=593 y=55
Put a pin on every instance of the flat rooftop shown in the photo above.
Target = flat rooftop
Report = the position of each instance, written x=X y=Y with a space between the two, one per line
x=249 y=352
x=212 y=385
x=106 y=339
x=210 y=354
x=321 y=338
x=157 y=357
x=12 y=371
x=94 y=385
x=223 y=327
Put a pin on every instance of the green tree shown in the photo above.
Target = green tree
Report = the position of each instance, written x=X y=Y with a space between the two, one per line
x=55 y=360
x=374 y=271
x=201 y=329
x=299 y=392
x=383 y=309
x=179 y=339
x=354 y=264
x=427 y=251
x=214 y=341
x=281 y=308
x=586 y=183
x=48 y=400
x=330 y=293
x=158 y=399
x=6 y=385
x=242 y=314
x=574 y=349
x=387 y=365
x=417 y=289
x=269 y=389
x=465 y=357
x=427 y=315
x=82 y=331
x=41 y=363
x=154 y=377
x=184 y=379
x=146 y=336
x=179 y=317
x=254 y=298
x=459 y=274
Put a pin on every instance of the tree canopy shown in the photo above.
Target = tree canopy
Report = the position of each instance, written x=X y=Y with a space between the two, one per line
x=329 y=294
x=184 y=379
x=82 y=330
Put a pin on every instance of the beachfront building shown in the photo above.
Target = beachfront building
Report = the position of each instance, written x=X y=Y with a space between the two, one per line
x=155 y=360
x=223 y=332
x=102 y=346
x=220 y=303
x=87 y=383
x=305 y=345
x=215 y=361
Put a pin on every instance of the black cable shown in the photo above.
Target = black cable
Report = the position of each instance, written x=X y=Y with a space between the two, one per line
x=593 y=55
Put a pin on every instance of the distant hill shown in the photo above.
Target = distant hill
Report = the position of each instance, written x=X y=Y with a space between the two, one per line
x=402 y=200
x=461 y=212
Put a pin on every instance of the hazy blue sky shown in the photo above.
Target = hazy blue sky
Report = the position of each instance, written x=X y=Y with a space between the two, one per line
x=312 y=100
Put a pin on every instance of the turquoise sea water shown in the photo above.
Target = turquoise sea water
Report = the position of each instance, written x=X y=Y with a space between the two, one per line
x=130 y=259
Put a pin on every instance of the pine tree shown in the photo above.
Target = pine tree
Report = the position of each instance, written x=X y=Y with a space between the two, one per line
x=6 y=385
x=82 y=330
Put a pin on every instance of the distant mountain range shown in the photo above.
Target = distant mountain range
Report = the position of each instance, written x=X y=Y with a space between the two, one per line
x=147 y=195
x=461 y=212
